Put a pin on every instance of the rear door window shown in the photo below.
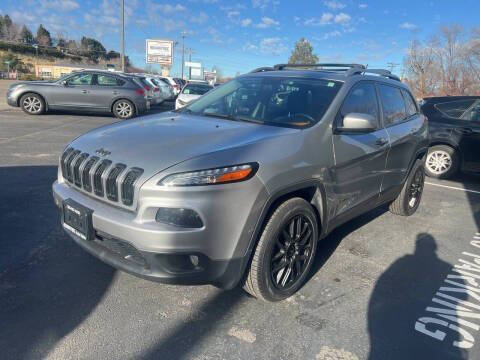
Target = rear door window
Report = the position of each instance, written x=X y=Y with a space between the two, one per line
x=455 y=109
x=361 y=99
x=107 y=80
x=80 y=79
x=393 y=105
x=410 y=103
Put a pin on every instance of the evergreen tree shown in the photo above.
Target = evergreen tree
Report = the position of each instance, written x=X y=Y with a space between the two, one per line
x=26 y=35
x=303 y=53
x=43 y=36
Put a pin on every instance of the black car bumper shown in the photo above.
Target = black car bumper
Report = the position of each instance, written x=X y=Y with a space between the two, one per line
x=169 y=268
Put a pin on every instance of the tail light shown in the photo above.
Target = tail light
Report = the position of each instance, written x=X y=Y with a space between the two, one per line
x=147 y=88
x=175 y=87
x=156 y=89
x=140 y=91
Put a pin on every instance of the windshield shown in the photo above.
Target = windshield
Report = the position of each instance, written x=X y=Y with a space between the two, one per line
x=289 y=102
x=196 y=89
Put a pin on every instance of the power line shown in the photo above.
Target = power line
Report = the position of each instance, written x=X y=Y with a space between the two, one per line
x=392 y=66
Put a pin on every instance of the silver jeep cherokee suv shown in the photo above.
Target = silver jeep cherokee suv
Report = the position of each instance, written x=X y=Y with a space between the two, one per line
x=238 y=186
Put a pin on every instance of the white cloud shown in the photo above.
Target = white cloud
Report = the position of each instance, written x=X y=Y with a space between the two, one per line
x=267 y=22
x=362 y=6
x=246 y=22
x=233 y=13
x=263 y=4
x=325 y=19
x=168 y=9
x=272 y=46
x=267 y=46
x=331 y=34
x=62 y=5
x=342 y=18
x=408 y=26
x=200 y=18
x=334 y=4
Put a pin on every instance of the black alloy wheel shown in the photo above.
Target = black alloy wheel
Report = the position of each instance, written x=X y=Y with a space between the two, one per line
x=292 y=252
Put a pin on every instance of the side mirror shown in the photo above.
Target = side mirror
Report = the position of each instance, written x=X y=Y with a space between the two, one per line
x=358 y=123
x=64 y=83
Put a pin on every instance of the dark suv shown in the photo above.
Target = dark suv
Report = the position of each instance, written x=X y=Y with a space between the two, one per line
x=455 y=135
x=239 y=185
x=90 y=91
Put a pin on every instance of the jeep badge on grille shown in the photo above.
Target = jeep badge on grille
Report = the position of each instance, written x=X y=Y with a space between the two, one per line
x=102 y=152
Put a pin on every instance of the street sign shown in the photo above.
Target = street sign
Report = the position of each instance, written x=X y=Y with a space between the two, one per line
x=193 y=64
x=159 y=52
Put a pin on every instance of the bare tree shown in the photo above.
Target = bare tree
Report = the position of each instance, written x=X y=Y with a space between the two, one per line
x=449 y=64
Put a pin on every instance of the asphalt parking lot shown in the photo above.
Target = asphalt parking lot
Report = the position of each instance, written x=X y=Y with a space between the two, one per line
x=383 y=287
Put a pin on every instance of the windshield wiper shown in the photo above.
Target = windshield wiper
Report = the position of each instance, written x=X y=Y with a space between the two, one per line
x=221 y=116
x=234 y=118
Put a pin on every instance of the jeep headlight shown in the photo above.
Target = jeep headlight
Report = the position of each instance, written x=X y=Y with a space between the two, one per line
x=211 y=176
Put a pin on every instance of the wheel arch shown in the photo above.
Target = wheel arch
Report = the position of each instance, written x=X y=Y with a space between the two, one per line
x=312 y=191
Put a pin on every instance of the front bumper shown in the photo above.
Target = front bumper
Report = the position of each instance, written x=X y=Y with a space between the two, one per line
x=11 y=100
x=164 y=253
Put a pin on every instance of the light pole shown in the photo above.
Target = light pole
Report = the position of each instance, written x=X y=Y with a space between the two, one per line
x=183 y=51
x=8 y=68
x=123 y=37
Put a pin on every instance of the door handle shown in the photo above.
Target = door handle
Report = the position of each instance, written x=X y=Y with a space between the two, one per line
x=381 y=142
x=115 y=93
x=465 y=131
x=84 y=91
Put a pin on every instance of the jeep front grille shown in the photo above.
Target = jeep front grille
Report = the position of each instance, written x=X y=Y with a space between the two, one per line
x=101 y=177
x=128 y=185
x=97 y=177
x=111 y=184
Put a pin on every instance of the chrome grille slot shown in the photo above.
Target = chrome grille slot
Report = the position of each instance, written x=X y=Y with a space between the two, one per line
x=86 y=179
x=77 y=179
x=68 y=165
x=111 y=183
x=63 y=160
x=128 y=185
x=97 y=177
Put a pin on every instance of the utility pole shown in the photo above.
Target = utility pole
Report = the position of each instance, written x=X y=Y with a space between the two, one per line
x=392 y=66
x=183 y=52
x=190 y=51
x=123 y=37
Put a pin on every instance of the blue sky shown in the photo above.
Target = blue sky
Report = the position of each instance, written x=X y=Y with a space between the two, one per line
x=239 y=36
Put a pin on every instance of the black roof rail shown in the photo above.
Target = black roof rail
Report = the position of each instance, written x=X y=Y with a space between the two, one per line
x=381 y=72
x=262 y=69
x=322 y=66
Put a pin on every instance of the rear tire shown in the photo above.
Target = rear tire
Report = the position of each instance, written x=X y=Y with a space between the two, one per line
x=408 y=201
x=123 y=109
x=442 y=162
x=285 y=252
x=32 y=104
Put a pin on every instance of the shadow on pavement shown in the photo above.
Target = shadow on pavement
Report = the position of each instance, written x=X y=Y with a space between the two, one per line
x=326 y=247
x=48 y=285
x=186 y=337
x=400 y=297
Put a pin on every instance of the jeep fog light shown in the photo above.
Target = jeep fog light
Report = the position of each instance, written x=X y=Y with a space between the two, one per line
x=180 y=217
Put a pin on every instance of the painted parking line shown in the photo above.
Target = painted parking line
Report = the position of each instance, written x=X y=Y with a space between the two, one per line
x=453 y=188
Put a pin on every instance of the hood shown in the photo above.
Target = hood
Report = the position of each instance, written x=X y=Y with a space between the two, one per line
x=188 y=97
x=36 y=82
x=157 y=142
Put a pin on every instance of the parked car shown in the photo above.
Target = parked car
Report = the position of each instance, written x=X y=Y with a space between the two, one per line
x=158 y=95
x=92 y=91
x=239 y=186
x=174 y=82
x=141 y=80
x=166 y=88
x=455 y=135
x=190 y=92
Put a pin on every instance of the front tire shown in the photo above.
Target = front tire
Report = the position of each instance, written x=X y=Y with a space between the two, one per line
x=442 y=162
x=123 y=109
x=408 y=201
x=285 y=252
x=32 y=104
